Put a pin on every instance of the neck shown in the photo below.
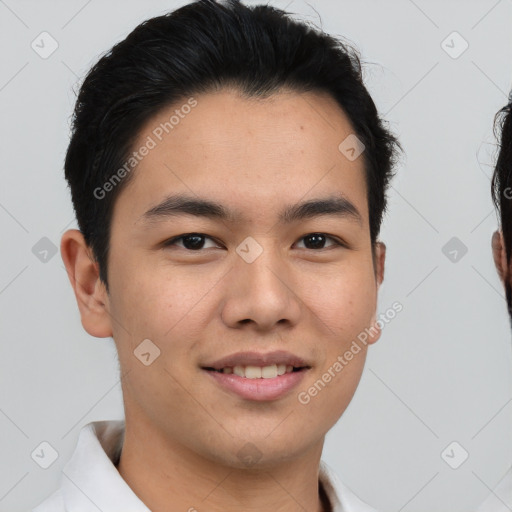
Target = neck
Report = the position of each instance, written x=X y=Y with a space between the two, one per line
x=161 y=472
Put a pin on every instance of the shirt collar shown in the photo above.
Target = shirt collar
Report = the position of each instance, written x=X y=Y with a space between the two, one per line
x=90 y=480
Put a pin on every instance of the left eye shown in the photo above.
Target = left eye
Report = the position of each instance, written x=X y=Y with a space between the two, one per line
x=317 y=240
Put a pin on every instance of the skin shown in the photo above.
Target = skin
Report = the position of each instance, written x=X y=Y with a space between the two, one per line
x=499 y=254
x=183 y=431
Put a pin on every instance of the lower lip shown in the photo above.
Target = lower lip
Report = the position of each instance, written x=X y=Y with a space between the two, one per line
x=259 y=389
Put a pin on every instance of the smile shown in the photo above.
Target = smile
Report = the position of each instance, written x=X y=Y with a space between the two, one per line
x=257 y=372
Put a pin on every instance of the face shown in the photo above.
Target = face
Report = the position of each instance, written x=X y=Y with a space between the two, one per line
x=498 y=252
x=500 y=260
x=249 y=279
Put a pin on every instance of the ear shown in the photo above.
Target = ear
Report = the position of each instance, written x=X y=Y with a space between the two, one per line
x=90 y=291
x=380 y=260
x=374 y=331
x=498 y=252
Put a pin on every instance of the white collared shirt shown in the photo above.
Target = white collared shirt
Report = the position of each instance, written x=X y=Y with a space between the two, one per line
x=90 y=480
x=500 y=500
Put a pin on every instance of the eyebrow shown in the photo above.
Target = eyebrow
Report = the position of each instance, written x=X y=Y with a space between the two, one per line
x=177 y=205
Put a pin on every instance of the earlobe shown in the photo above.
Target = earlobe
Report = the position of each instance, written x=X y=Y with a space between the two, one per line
x=90 y=293
x=498 y=252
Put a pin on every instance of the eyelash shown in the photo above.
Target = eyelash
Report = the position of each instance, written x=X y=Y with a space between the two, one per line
x=172 y=241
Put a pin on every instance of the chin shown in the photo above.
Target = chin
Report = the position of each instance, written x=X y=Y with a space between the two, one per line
x=259 y=453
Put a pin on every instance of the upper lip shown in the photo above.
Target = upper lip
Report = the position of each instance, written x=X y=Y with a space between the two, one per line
x=258 y=359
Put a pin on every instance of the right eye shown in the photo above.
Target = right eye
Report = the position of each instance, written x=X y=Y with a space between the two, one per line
x=191 y=241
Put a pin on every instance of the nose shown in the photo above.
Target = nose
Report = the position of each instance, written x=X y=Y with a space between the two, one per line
x=261 y=295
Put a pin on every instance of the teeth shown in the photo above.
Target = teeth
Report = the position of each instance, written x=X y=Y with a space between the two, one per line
x=238 y=370
x=269 y=372
x=258 y=372
x=252 y=372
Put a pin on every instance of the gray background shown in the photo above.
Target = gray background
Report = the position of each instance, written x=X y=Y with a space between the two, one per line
x=441 y=371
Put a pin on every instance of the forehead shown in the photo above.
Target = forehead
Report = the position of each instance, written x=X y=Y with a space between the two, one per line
x=246 y=152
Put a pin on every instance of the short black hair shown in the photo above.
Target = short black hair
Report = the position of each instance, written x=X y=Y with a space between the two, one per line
x=199 y=48
x=502 y=187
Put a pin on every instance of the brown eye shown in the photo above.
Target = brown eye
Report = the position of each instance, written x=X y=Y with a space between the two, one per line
x=191 y=242
x=318 y=241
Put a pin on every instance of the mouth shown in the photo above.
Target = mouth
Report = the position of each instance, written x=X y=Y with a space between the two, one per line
x=258 y=377
x=278 y=362
x=258 y=372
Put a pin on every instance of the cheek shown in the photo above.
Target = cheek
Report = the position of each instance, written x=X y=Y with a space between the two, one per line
x=329 y=395
x=155 y=301
x=343 y=306
x=344 y=302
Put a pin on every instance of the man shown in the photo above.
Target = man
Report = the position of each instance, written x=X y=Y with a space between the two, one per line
x=500 y=500
x=228 y=171
x=502 y=196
